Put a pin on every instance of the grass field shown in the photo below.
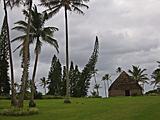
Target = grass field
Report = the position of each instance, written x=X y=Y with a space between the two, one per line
x=119 y=108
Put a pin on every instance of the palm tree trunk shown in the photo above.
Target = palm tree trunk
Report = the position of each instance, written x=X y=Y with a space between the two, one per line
x=45 y=89
x=32 y=103
x=105 y=89
x=67 y=61
x=143 y=88
x=96 y=83
x=13 y=91
x=25 y=60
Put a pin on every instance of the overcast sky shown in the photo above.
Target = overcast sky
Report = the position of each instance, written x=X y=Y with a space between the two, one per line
x=128 y=32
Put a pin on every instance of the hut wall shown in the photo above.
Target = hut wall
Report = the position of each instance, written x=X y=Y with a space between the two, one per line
x=113 y=93
x=134 y=92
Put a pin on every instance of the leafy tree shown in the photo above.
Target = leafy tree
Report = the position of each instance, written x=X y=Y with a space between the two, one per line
x=107 y=78
x=4 y=78
x=54 y=7
x=74 y=81
x=138 y=75
x=71 y=77
x=54 y=77
x=40 y=34
x=88 y=71
x=44 y=83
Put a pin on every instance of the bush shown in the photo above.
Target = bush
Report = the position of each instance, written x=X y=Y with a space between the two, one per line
x=19 y=112
x=52 y=97
x=38 y=95
x=155 y=92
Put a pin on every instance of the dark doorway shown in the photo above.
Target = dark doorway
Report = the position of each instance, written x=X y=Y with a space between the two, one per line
x=127 y=92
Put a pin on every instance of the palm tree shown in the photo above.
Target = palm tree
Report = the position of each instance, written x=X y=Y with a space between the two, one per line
x=44 y=83
x=14 y=101
x=11 y=3
x=54 y=7
x=97 y=86
x=119 y=70
x=107 y=78
x=156 y=76
x=138 y=75
x=38 y=33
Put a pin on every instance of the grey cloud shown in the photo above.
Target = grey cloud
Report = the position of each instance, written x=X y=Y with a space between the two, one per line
x=128 y=33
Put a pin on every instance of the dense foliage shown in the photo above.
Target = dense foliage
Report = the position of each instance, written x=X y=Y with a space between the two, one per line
x=4 y=66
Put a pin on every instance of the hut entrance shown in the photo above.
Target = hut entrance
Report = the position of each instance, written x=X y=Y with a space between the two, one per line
x=127 y=93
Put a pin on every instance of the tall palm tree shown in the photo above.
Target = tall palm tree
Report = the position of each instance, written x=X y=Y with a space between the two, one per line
x=14 y=101
x=138 y=75
x=44 y=83
x=25 y=57
x=54 y=7
x=107 y=78
x=38 y=33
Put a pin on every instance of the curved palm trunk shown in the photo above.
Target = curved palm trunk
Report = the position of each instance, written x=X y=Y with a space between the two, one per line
x=67 y=61
x=105 y=90
x=13 y=92
x=25 y=60
x=32 y=102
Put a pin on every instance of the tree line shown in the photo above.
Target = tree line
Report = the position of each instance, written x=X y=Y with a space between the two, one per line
x=79 y=80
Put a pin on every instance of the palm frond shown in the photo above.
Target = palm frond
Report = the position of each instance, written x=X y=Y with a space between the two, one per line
x=19 y=46
x=76 y=9
x=21 y=38
x=20 y=28
x=52 y=42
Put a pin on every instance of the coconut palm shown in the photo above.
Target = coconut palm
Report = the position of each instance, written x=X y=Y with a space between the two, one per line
x=138 y=75
x=54 y=7
x=107 y=78
x=97 y=86
x=119 y=70
x=38 y=33
x=14 y=101
x=156 y=76
x=44 y=83
x=10 y=3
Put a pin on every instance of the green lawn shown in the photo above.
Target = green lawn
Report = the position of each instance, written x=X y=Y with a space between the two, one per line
x=118 y=108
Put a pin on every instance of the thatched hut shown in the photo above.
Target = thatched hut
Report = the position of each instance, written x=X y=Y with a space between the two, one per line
x=124 y=85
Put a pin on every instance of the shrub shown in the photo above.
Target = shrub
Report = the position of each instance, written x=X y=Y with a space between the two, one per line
x=19 y=112
x=38 y=95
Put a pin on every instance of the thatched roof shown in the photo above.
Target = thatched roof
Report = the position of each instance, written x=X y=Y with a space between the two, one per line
x=124 y=82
